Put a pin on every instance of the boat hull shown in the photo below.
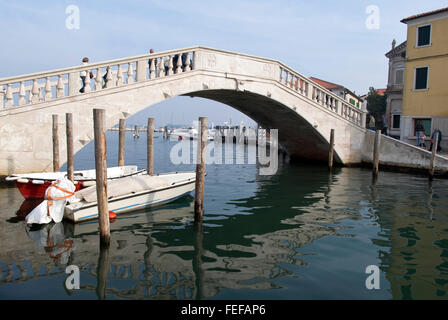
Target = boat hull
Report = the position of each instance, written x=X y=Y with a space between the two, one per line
x=79 y=212
x=29 y=190
x=34 y=185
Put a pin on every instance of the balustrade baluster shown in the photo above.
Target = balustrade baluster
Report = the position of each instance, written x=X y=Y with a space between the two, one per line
x=22 y=94
x=34 y=93
x=109 y=83
x=170 y=65
x=9 y=98
x=119 y=75
x=2 y=97
x=60 y=87
x=161 y=66
x=98 y=78
x=152 y=69
x=179 y=63
x=87 y=82
x=48 y=94
x=187 y=62
x=281 y=75
x=130 y=74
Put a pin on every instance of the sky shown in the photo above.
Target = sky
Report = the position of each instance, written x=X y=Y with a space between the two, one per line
x=339 y=41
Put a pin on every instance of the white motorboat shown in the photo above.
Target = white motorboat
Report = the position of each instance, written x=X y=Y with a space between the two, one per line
x=33 y=185
x=131 y=193
x=190 y=134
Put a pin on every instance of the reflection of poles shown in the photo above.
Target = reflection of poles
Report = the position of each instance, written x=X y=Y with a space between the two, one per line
x=197 y=260
x=429 y=203
x=327 y=194
x=147 y=255
x=374 y=193
x=103 y=269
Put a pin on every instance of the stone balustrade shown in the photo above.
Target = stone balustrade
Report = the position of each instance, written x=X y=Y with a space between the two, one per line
x=322 y=96
x=45 y=86
x=41 y=87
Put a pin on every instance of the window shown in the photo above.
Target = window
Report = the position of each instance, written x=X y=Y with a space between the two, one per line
x=421 y=78
x=424 y=36
x=352 y=101
x=426 y=123
x=396 y=121
x=399 y=76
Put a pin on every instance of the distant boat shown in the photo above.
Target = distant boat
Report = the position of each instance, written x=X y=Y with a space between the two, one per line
x=132 y=193
x=190 y=134
x=34 y=185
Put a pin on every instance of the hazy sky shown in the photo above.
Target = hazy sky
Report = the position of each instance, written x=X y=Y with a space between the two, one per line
x=324 y=39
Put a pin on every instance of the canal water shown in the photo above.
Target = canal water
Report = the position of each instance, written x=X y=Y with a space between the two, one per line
x=300 y=234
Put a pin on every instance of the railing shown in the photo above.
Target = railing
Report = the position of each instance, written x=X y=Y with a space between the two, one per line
x=320 y=95
x=46 y=86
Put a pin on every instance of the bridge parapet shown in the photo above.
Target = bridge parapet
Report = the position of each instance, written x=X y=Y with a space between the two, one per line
x=42 y=87
x=33 y=89
x=321 y=96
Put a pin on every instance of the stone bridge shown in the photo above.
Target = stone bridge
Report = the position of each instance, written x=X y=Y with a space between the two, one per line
x=266 y=90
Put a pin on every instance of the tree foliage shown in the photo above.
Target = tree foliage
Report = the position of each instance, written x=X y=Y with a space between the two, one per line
x=376 y=104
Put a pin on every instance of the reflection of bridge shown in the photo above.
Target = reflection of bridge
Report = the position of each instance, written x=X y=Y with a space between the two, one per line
x=266 y=90
x=161 y=255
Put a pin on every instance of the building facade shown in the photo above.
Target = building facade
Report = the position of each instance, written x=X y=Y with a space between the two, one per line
x=394 y=92
x=425 y=90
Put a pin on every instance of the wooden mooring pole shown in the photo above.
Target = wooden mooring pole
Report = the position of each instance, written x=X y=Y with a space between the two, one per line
x=121 y=138
x=55 y=143
x=69 y=134
x=150 y=146
x=435 y=144
x=330 y=152
x=200 y=170
x=99 y=119
x=376 y=153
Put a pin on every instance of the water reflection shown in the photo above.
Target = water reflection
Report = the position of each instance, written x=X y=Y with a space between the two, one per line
x=303 y=228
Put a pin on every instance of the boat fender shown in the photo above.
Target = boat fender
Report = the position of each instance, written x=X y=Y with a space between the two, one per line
x=37 y=181
x=112 y=215
x=11 y=178
x=23 y=180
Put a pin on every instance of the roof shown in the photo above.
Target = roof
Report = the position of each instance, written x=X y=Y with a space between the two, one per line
x=424 y=14
x=330 y=85
x=326 y=84
x=397 y=49
x=381 y=92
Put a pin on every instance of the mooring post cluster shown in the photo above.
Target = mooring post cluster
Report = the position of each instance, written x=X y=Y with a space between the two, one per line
x=99 y=128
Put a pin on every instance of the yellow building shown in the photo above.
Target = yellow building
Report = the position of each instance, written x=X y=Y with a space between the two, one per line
x=425 y=91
